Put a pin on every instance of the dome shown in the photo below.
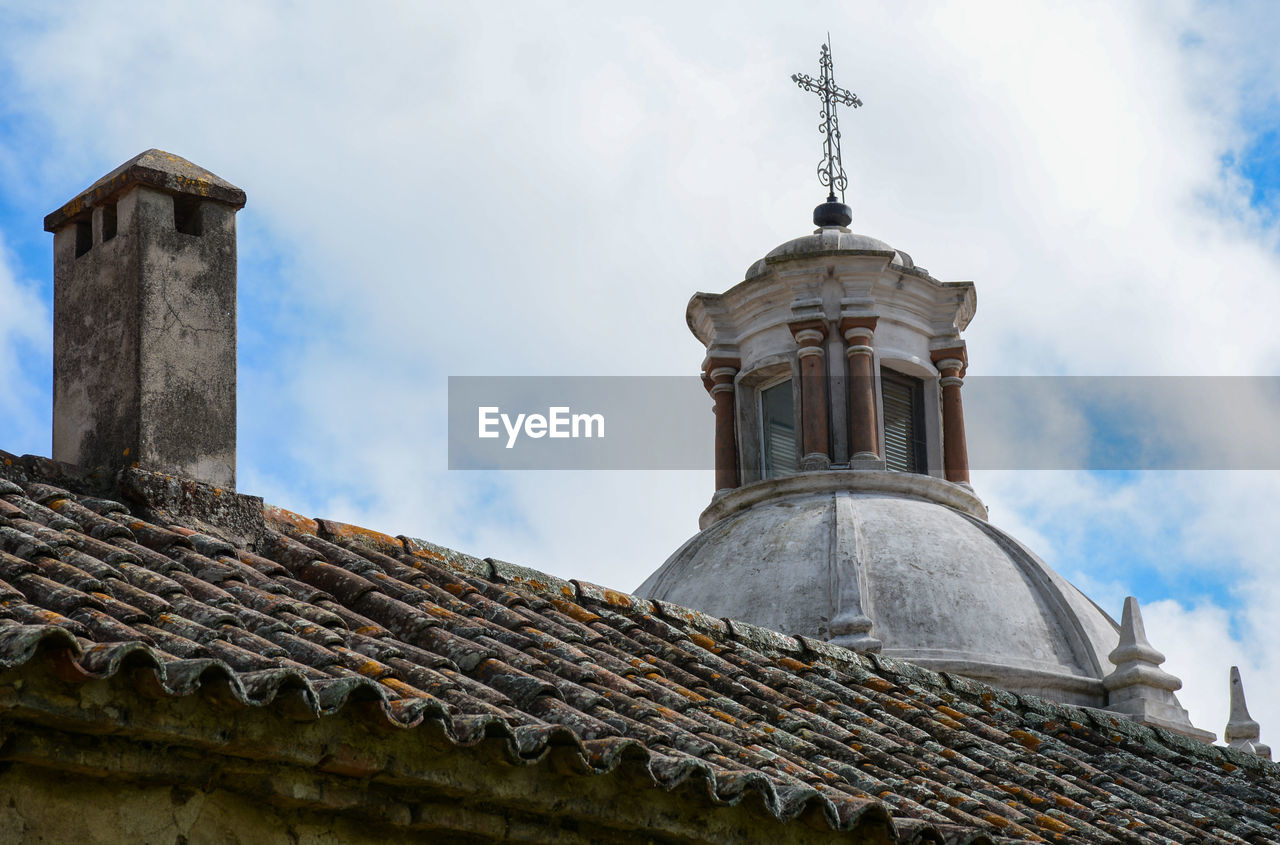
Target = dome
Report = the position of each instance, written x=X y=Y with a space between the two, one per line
x=833 y=241
x=907 y=562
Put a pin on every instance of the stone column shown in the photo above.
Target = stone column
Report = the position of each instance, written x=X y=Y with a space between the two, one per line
x=864 y=439
x=951 y=364
x=719 y=383
x=815 y=440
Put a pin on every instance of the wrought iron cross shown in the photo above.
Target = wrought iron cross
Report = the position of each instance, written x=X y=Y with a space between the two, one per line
x=830 y=169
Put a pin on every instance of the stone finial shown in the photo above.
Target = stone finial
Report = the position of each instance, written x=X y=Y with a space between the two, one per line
x=852 y=630
x=1242 y=732
x=1139 y=688
x=832 y=213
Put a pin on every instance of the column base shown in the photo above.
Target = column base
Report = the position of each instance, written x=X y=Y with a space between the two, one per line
x=815 y=461
x=866 y=460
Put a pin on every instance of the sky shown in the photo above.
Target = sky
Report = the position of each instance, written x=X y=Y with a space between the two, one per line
x=444 y=190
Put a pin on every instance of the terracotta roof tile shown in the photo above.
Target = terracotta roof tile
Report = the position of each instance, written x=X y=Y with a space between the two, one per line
x=320 y=616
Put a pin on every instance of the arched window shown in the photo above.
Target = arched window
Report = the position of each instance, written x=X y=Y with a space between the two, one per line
x=780 y=453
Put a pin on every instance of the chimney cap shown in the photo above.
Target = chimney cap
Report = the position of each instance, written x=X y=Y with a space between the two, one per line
x=156 y=168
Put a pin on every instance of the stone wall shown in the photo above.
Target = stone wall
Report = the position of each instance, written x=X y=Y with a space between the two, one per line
x=42 y=805
x=118 y=759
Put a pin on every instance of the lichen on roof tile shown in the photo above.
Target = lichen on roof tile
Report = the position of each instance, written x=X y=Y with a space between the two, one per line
x=329 y=616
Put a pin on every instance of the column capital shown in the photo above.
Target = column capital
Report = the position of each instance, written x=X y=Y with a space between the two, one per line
x=717 y=361
x=809 y=333
x=954 y=358
x=866 y=322
x=717 y=373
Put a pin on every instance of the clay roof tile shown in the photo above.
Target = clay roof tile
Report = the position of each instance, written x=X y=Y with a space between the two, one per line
x=315 y=617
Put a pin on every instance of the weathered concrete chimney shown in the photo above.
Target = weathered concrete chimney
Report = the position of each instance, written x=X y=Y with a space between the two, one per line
x=144 y=321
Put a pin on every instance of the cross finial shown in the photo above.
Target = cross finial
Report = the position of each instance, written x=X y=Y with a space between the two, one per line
x=830 y=169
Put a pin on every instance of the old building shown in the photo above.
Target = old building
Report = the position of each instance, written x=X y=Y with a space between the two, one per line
x=843 y=508
x=180 y=662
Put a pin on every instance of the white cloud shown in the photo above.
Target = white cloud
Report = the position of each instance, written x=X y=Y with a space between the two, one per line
x=1199 y=649
x=26 y=341
x=1109 y=535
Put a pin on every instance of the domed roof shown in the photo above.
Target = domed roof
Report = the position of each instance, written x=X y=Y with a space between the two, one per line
x=908 y=560
x=827 y=241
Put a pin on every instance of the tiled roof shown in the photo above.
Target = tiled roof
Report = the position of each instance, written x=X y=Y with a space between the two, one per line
x=484 y=648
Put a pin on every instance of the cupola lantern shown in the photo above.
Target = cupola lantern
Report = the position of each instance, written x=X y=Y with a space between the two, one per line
x=836 y=353
x=843 y=510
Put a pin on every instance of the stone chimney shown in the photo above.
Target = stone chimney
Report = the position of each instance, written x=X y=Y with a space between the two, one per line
x=144 y=326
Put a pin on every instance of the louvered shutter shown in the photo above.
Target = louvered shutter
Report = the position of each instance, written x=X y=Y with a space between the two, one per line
x=778 y=428
x=903 y=399
x=782 y=450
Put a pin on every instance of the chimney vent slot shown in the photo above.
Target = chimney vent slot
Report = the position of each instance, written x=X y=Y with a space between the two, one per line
x=108 y=222
x=186 y=215
x=84 y=236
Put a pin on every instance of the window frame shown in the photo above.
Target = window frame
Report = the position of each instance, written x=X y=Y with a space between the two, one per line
x=913 y=367
x=768 y=372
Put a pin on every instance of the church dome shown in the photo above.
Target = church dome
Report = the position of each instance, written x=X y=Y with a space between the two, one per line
x=900 y=561
x=830 y=241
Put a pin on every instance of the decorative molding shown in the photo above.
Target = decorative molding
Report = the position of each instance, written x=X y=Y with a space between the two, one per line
x=851 y=626
x=808 y=337
x=918 y=486
x=948 y=364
